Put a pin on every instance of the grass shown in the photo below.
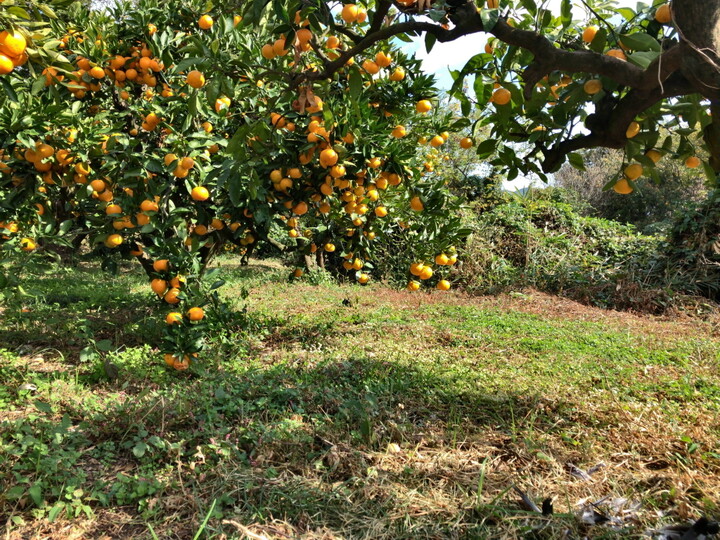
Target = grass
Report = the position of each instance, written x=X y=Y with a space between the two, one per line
x=397 y=416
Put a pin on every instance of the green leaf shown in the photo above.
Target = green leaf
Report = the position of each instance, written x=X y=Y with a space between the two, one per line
x=42 y=406
x=47 y=10
x=87 y=354
x=235 y=191
x=640 y=41
x=486 y=148
x=9 y=90
x=566 y=13
x=356 y=84
x=19 y=12
x=642 y=59
x=237 y=142
x=104 y=345
x=430 y=40
x=37 y=86
x=489 y=18
x=530 y=6
x=35 y=493
x=55 y=511
x=599 y=41
x=186 y=63
x=482 y=91
x=710 y=173
x=627 y=13
x=576 y=160
x=139 y=449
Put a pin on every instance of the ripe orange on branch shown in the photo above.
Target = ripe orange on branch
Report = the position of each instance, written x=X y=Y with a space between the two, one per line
x=663 y=15
x=6 y=65
x=593 y=86
x=27 y=244
x=161 y=265
x=174 y=318
x=200 y=193
x=113 y=241
x=399 y=132
x=398 y=74
x=634 y=171
x=383 y=59
x=653 y=155
x=195 y=79
x=622 y=187
x=589 y=34
x=692 y=162
x=423 y=106
x=437 y=141
x=371 y=67
x=632 y=130
x=501 y=96
x=196 y=314
x=205 y=22
x=413 y=285
x=328 y=157
x=172 y=296
x=617 y=53
x=349 y=13
x=12 y=44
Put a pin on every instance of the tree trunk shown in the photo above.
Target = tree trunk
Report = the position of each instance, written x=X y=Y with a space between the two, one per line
x=698 y=22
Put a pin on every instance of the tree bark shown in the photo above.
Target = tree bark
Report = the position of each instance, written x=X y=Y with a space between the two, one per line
x=698 y=23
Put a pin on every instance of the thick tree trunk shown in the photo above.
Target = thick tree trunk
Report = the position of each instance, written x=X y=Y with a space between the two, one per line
x=698 y=22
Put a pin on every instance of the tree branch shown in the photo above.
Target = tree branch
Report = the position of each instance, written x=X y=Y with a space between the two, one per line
x=383 y=6
x=549 y=58
x=371 y=38
x=609 y=129
x=355 y=37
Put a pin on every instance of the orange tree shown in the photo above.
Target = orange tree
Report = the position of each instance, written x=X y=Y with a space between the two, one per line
x=166 y=132
x=558 y=83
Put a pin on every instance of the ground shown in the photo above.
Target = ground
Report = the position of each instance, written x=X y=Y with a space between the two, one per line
x=339 y=411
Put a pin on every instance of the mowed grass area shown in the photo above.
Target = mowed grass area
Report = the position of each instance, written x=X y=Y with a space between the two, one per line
x=339 y=411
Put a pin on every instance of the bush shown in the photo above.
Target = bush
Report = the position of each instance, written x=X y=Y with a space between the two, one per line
x=543 y=243
x=693 y=248
x=651 y=206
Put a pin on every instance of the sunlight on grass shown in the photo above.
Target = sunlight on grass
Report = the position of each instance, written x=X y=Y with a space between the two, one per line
x=346 y=410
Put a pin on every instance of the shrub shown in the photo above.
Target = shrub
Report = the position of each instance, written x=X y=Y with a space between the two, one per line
x=543 y=243
x=693 y=248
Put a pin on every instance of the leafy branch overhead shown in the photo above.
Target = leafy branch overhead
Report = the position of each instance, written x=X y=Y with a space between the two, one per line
x=171 y=132
x=650 y=64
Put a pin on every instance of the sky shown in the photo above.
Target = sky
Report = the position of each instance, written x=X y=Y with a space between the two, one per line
x=453 y=55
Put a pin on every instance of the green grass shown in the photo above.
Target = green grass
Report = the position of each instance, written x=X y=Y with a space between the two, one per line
x=398 y=416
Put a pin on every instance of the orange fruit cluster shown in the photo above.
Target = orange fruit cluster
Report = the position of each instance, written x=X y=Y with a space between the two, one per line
x=12 y=51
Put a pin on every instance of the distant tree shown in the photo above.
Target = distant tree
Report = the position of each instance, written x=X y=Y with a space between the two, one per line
x=652 y=204
x=456 y=163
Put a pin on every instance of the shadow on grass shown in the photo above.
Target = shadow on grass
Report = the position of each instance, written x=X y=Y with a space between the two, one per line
x=65 y=314
x=337 y=445
x=257 y=269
